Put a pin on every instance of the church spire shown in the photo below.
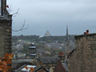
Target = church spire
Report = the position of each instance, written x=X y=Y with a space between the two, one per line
x=67 y=34
x=67 y=43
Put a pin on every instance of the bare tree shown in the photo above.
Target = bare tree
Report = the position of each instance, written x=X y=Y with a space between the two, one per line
x=14 y=14
x=21 y=28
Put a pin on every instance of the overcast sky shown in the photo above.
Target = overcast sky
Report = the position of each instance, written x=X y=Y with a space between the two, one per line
x=53 y=15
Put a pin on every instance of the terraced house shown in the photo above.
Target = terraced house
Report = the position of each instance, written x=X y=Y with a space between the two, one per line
x=5 y=29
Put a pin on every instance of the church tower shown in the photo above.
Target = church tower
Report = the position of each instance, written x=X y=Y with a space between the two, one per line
x=67 y=43
x=67 y=33
x=5 y=29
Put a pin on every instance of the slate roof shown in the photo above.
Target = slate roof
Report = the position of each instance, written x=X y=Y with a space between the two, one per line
x=48 y=60
x=41 y=69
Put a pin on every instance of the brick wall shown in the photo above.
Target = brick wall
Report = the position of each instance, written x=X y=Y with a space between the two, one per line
x=5 y=37
x=5 y=30
x=83 y=59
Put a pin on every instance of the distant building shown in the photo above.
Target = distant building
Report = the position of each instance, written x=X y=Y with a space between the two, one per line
x=67 y=33
x=5 y=29
x=32 y=51
x=69 y=43
x=28 y=68
x=59 y=67
x=61 y=56
x=48 y=62
x=83 y=58
x=47 y=33
x=41 y=69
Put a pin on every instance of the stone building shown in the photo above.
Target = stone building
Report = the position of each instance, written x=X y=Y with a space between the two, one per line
x=5 y=29
x=47 y=62
x=83 y=57
x=52 y=64
x=47 y=34
x=32 y=51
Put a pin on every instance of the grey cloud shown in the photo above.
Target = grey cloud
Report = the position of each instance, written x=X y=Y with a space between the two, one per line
x=53 y=15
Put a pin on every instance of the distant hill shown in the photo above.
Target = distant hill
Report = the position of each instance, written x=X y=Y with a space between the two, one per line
x=29 y=38
x=35 y=38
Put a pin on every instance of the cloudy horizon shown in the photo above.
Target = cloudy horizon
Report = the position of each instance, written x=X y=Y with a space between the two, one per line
x=54 y=16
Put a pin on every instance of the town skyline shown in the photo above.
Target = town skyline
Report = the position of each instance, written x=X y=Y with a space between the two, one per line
x=53 y=15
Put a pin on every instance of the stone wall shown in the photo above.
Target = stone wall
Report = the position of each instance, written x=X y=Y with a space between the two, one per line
x=5 y=30
x=83 y=59
x=5 y=37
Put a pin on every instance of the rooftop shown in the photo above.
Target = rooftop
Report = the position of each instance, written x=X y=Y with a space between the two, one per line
x=32 y=47
x=88 y=35
x=48 y=60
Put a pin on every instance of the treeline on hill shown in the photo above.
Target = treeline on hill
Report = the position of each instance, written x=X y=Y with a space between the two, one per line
x=35 y=38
